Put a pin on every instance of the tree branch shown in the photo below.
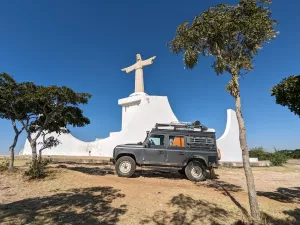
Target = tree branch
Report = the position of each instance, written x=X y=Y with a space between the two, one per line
x=15 y=126
x=21 y=121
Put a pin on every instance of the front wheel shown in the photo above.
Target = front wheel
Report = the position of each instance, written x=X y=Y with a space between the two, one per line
x=195 y=171
x=125 y=166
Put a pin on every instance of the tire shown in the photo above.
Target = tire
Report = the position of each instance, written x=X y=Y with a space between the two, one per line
x=125 y=166
x=195 y=171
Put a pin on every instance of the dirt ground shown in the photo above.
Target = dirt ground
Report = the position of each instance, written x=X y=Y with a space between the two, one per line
x=85 y=194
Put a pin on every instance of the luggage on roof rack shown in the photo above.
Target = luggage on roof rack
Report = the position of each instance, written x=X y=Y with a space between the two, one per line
x=195 y=126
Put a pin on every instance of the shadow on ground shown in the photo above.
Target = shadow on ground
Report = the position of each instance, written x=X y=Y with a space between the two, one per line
x=77 y=206
x=294 y=218
x=187 y=210
x=159 y=174
x=286 y=195
x=222 y=185
x=100 y=171
x=154 y=173
x=226 y=189
x=282 y=194
x=163 y=173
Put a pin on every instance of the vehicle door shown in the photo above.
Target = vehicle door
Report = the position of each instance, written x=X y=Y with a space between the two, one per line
x=154 y=151
x=175 y=153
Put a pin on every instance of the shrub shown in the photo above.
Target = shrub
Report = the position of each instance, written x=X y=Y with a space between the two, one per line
x=259 y=152
x=296 y=154
x=291 y=154
x=37 y=169
x=278 y=158
x=4 y=165
x=287 y=153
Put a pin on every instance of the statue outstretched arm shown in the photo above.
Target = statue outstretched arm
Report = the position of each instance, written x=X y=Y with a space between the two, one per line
x=149 y=61
x=129 y=68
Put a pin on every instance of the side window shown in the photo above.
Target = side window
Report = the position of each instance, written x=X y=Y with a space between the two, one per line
x=194 y=142
x=176 y=141
x=155 y=140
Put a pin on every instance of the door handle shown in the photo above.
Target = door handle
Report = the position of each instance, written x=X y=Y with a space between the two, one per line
x=162 y=152
x=181 y=153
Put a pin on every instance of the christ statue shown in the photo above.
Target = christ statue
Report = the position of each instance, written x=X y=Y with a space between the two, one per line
x=138 y=67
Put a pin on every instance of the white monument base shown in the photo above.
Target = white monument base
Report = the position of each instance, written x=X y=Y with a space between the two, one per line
x=140 y=112
x=229 y=142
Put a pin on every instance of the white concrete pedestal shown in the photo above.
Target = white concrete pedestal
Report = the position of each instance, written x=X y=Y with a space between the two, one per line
x=229 y=142
x=140 y=112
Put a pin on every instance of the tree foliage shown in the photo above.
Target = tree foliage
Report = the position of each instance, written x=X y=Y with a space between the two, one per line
x=287 y=93
x=232 y=34
x=41 y=110
x=8 y=93
x=51 y=110
x=9 y=97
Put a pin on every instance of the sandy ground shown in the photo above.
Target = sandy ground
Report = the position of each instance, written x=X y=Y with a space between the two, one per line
x=83 y=194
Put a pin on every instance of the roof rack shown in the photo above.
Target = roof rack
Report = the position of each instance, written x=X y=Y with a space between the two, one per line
x=191 y=126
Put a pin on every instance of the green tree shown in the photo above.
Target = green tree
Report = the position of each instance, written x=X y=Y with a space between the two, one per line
x=232 y=35
x=9 y=98
x=48 y=141
x=287 y=93
x=50 y=110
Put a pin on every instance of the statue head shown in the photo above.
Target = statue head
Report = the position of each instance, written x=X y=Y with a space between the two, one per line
x=138 y=57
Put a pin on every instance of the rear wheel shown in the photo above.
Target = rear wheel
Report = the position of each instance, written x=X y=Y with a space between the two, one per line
x=125 y=166
x=195 y=171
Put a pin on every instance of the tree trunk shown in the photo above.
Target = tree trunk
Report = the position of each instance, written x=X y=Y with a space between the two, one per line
x=40 y=154
x=12 y=153
x=245 y=154
x=33 y=148
x=11 y=159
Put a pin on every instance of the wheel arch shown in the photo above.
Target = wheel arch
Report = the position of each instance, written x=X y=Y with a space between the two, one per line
x=126 y=154
x=199 y=159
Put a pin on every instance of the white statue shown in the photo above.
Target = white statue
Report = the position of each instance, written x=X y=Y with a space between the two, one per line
x=138 y=67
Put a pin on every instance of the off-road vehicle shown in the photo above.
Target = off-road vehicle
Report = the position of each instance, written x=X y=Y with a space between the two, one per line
x=191 y=147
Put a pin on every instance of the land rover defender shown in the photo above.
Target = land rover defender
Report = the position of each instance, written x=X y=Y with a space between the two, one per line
x=191 y=147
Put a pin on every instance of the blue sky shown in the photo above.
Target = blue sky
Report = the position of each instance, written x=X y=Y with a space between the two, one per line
x=84 y=44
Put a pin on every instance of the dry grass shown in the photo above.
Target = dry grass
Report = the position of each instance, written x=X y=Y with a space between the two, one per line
x=83 y=194
x=18 y=162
